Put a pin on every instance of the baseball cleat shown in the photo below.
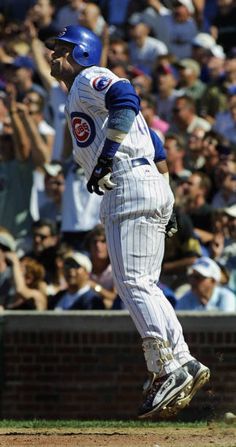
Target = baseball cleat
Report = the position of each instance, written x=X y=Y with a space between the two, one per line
x=201 y=375
x=163 y=390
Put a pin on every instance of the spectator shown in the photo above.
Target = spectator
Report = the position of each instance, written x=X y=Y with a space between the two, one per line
x=17 y=162
x=165 y=80
x=182 y=28
x=116 y=16
x=148 y=107
x=78 y=294
x=227 y=129
x=223 y=25
x=186 y=119
x=56 y=91
x=101 y=279
x=57 y=281
x=226 y=196
x=224 y=259
x=143 y=84
x=206 y=294
x=210 y=144
x=20 y=72
x=44 y=246
x=7 y=289
x=42 y=14
x=143 y=49
x=69 y=14
x=189 y=82
x=176 y=27
x=180 y=253
x=40 y=135
x=195 y=194
x=223 y=245
x=91 y=17
x=118 y=51
x=28 y=276
x=152 y=14
x=195 y=159
x=54 y=183
x=175 y=158
x=222 y=72
x=80 y=210
x=201 y=46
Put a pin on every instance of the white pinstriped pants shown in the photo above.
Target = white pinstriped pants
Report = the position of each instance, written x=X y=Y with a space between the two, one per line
x=135 y=214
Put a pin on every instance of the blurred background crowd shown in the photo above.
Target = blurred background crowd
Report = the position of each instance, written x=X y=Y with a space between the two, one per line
x=180 y=57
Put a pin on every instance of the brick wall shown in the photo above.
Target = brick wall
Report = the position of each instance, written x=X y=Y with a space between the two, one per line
x=85 y=365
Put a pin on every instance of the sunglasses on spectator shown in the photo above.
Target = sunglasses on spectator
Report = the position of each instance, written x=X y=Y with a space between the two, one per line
x=56 y=182
x=177 y=109
x=196 y=275
x=70 y=264
x=41 y=236
x=4 y=248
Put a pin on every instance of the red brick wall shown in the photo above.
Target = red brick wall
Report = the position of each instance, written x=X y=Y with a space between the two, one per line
x=90 y=365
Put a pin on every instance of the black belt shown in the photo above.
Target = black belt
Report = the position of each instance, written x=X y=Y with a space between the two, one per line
x=139 y=161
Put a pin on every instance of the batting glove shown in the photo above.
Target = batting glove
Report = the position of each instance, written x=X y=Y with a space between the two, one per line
x=101 y=177
x=172 y=226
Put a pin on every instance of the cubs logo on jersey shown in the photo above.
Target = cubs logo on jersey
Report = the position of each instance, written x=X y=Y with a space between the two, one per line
x=101 y=83
x=83 y=128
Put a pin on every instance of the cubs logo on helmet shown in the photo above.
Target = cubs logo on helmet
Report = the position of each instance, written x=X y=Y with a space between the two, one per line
x=83 y=128
x=101 y=83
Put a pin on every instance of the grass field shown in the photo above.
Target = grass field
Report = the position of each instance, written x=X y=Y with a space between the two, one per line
x=42 y=433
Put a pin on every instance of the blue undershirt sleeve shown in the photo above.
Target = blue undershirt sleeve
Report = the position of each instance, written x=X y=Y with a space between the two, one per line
x=160 y=153
x=122 y=95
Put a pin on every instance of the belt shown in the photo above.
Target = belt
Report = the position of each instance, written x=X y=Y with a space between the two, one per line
x=139 y=161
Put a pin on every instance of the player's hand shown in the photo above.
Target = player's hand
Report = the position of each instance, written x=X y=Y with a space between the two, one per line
x=101 y=177
x=172 y=226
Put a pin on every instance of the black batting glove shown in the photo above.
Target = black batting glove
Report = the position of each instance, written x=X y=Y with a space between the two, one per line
x=101 y=177
x=172 y=226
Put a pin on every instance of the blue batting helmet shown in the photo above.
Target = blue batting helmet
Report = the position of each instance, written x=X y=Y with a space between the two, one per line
x=87 y=45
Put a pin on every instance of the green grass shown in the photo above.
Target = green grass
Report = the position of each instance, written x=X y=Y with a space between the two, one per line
x=74 y=424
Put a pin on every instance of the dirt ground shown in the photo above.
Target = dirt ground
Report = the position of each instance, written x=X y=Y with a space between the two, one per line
x=212 y=435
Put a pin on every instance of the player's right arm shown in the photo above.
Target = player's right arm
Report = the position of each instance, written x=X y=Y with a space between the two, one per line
x=122 y=103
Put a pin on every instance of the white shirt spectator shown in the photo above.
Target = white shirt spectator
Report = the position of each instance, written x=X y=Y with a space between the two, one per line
x=80 y=209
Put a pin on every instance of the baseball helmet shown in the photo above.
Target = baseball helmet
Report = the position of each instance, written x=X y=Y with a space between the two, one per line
x=87 y=45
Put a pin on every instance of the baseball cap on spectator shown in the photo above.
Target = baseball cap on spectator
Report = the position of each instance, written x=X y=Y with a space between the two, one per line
x=217 y=51
x=223 y=150
x=167 y=69
x=189 y=64
x=206 y=267
x=204 y=40
x=136 y=18
x=187 y=3
x=7 y=241
x=230 y=211
x=23 y=62
x=53 y=168
x=231 y=90
x=77 y=259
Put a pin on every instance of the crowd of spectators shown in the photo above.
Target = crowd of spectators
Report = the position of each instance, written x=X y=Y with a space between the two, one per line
x=180 y=57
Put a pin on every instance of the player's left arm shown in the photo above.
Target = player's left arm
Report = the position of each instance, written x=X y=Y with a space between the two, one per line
x=123 y=105
x=162 y=166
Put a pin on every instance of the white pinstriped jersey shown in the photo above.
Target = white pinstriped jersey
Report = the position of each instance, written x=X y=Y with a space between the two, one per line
x=87 y=117
x=134 y=213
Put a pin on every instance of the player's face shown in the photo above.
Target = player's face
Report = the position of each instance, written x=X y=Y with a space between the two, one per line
x=63 y=66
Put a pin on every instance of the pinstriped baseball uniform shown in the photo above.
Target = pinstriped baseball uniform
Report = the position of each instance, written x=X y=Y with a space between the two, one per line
x=134 y=213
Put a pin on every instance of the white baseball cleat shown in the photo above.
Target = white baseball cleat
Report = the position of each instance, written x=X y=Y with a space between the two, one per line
x=163 y=390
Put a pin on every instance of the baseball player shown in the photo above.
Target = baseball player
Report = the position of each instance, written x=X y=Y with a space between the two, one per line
x=113 y=144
